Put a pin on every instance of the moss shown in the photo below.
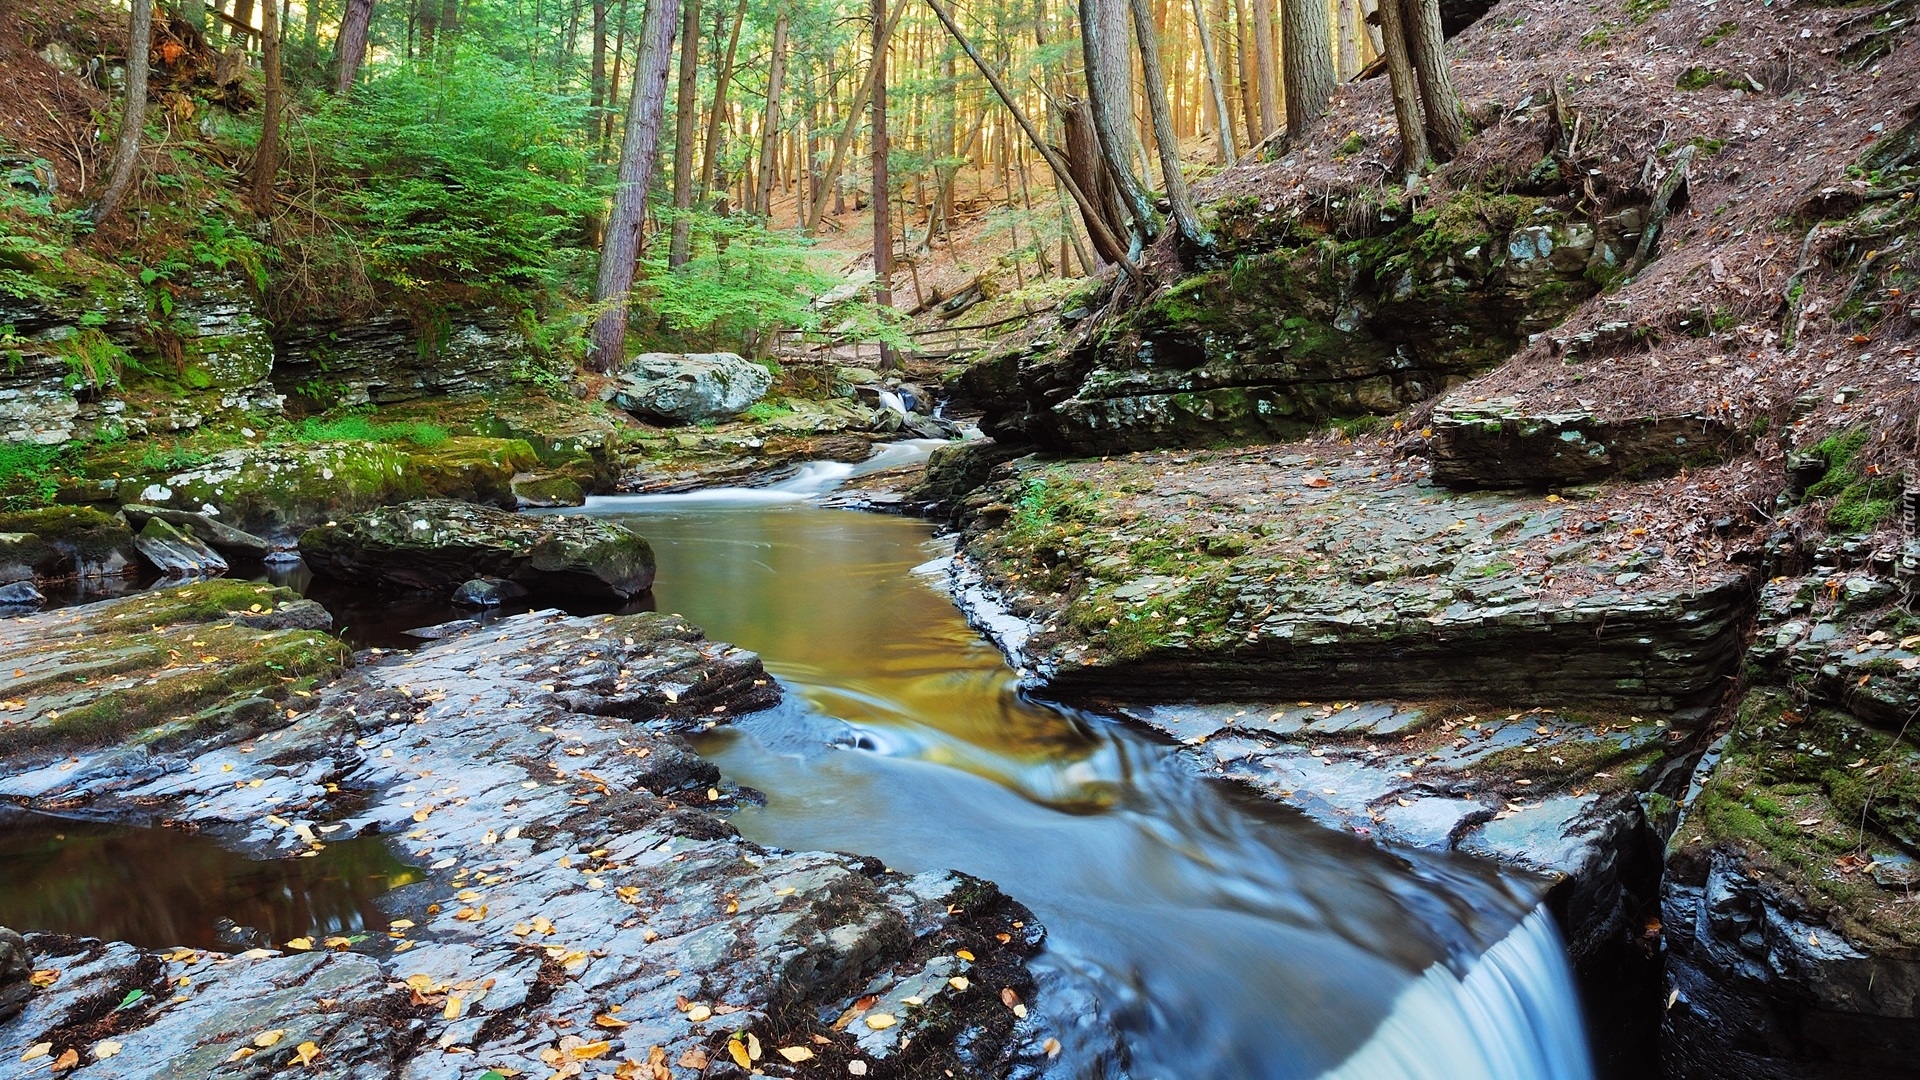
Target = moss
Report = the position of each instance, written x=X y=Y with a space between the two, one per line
x=1719 y=34
x=202 y=601
x=1640 y=11
x=1862 y=500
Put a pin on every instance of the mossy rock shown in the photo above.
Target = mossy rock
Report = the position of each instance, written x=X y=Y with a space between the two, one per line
x=472 y=469
x=547 y=491
x=92 y=544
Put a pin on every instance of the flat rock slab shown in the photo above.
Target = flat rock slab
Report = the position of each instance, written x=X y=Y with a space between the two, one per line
x=434 y=545
x=580 y=904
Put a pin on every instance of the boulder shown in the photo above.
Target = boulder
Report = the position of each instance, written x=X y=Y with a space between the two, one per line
x=689 y=387
x=21 y=594
x=546 y=490
x=177 y=553
x=26 y=557
x=1502 y=443
x=436 y=544
x=215 y=534
x=90 y=544
x=480 y=593
x=16 y=973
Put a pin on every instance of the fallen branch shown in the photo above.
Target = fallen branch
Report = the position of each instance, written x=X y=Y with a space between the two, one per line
x=1670 y=186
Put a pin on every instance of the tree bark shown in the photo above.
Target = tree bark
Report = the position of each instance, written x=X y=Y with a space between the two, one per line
x=242 y=21
x=1223 y=117
x=1101 y=237
x=1268 y=66
x=126 y=150
x=597 y=92
x=621 y=249
x=882 y=231
x=717 y=117
x=1427 y=46
x=1406 y=89
x=1347 y=64
x=770 y=125
x=351 y=47
x=1103 y=40
x=1307 y=52
x=1164 y=137
x=1249 y=82
x=686 y=105
x=843 y=142
x=1090 y=171
x=266 y=157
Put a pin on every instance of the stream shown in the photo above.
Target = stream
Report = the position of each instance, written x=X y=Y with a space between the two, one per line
x=1194 y=930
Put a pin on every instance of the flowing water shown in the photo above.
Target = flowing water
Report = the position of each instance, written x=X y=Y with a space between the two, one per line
x=1194 y=931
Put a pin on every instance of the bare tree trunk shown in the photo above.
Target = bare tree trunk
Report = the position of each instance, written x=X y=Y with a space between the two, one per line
x=1223 y=117
x=622 y=247
x=126 y=150
x=1103 y=39
x=1090 y=170
x=351 y=47
x=1347 y=65
x=843 y=142
x=1269 y=67
x=1427 y=45
x=1406 y=89
x=597 y=92
x=1307 y=53
x=242 y=22
x=717 y=117
x=1101 y=237
x=1164 y=137
x=882 y=232
x=1249 y=82
x=770 y=126
x=686 y=104
x=266 y=158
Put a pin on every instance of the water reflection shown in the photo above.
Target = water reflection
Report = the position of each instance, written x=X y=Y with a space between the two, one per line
x=161 y=887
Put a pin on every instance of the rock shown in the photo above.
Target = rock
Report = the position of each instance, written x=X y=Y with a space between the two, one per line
x=21 y=594
x=1501 y=444
x=24 y=557
x=381 y=360
x=434 y=545
x=478 y=593
x=927 y=427
x=955 y=471
x=91 y=545
x=689 y=387
x=215 y=534
x=176 y=553
x=16 y=968
x=546 y=491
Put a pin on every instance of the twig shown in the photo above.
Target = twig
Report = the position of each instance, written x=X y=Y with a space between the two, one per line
x=1670 y=186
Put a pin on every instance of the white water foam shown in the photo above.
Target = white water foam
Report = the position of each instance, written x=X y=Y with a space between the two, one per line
x=1515 y=1016
x=813 y=479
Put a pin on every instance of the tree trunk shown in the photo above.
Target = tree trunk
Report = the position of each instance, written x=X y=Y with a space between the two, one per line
x=1223 y=117
x=309 y=42
x=1103 y=40
x=1307 y=51
x=126 y=150
x=843 y=142
x=597 y=92
x=195 y=12
x=351 y=47
x=621 y=249
x=427 y=15
x=686 y=105
x=1088 y=212
x=882 y=230
x=1164 y=137
x=242 y=22
x=717 y=117
x=1348 y=63
x=266 y=157
x=1249 y=82
x=1406 y=89
x=1090 y=171
x=1269 y=68
x=1427 y=47
x=770 y=126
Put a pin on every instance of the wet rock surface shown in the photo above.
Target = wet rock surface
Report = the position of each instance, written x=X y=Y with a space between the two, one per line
x=61 y=542
x=434 y=545
x=583 y=906
x=177 y=553
x=16 y=972
x=689 y=387
x=209 y=530
x=1501 y=444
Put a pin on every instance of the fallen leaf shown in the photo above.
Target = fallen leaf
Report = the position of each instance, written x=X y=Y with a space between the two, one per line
x=67 y=1060
x=796 y=1054
x=37 y=1051
x=1008 y=997
x=611 y=1023
x=304 y=1054
x=300 y=944
x=738 y=1051
x=699 y=1014
x=44 y=978
x=959 y=982
x=452 y=1011
x=269 y=1038
x=857 y=1067
x=1052 y=1047
x=963 y=954
x=589 y=1051
x=880 y=1021
x=105 y=1049
x=695 y=1058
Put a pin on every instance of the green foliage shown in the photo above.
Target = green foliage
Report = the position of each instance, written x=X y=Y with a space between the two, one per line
x=27 y=474
x=1862 y=499
x=32 y=234
x=93 y=359
x=221 y=246
x=471 y=173
x=1640 y=11
x=1718 y=34
x=358 y=428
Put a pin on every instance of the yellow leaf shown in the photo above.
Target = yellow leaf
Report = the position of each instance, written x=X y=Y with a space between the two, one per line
x=241 y=1054
x=269 y=1038
x=699 y=1013
x=338 y=943
x=67 y=1060
x=1052 y=1047
x=105 y=1049
x=880 y=1021
x=610 y=1023
x=44 y=978
x=796 y=1054
x=452 y=1011
x=959 y=982
x=591 y=1050
x=37 y=1051
x=304 y=1054
x=963 y=954
x=300 y=944
x=738 y=1051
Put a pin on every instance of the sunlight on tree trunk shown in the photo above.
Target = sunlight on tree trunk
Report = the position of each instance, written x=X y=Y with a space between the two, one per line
x=686 y=107
x=882 y=231
x=126 y=149
x=1104 y=41
x=717 y=116
x=351 y=47
x=843 y=142
x=1405 y=88
x=770 y=126
x=621 y=250
x=1223 y=117
x=1427 y=47
x=1307 y=51
x=1268 y=65
x=1165 y=140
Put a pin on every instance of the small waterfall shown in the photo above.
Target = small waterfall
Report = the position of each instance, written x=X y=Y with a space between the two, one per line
x=810 y=479
x=891 y=400
x=1514 y=1016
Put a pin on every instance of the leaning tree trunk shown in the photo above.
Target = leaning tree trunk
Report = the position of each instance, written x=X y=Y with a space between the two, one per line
x=882 y=228
x=1347 y=64
x=621 y=249
x=770 y=124
x=1164 y=138
x=1406 y=89
x=1222 y=117
x=843 y=142
x=686 y=104
x=1090 y=171
x=1268 y=65
x=1103 y=40
x=126 y=151
x=351 y=47
x=1427 y=46
x=717 y=116
x=266 y=158
x=1307 y=52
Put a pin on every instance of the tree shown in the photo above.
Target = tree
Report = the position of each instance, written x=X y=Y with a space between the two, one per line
x=266 y=158
x=770 y=127
x=350 y=48
x=686 y=105
x=1103 y=41
x=126 y=149
x=717 y=116
x=1406 y=89
x=1165 y=141
x=844 y=141
x=1268 y=65
x=621 y=249
x=1307 y=52
x=1426 y=44
x=1223 y=117
x=882 y=232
